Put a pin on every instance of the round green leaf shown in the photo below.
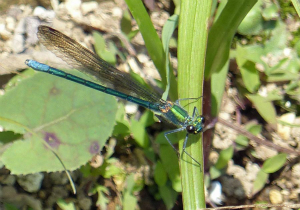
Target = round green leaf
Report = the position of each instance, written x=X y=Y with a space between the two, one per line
x=273 y=164
x=260 y=181
x=62 y=117
x=225 y=156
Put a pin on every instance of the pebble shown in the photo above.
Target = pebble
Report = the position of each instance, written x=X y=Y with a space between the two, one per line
x=131 y=108
x=85 y=203
x=59 y=178
x=4 y=34
x=9 y=180
x=215 y=193
x=43 y=14
x=285 y=131
x=88 y=7
x=31 y=182
x=10 y=23
x=275 y=196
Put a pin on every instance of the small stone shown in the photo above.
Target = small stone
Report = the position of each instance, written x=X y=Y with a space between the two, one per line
x=213 y=157
x=31 y=182
x=9 y=180
x=215 y=193
x=85 y=203
x=285 y=131
x=4 y=34
x=131 y=108
x=232 y=187
x=275 y=196
x=88 y=7
x=117 y=12
x=10 y=23
x=39 y=11
x=263 y=152
x=142 y=58
x=296 y=171
x=295 y=131
x=59 y=178
x=44 y=14
x=7 y=192
x=73 y=8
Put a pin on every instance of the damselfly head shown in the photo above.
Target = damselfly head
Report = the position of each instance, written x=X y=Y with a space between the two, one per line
x=196 y=126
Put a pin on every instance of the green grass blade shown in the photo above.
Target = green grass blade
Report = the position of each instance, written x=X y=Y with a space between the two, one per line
x=296 y=4
x=218 y=47
x=167 y=33
x=193 y=32
x=222 y=32
x=218 y=80
x=152 y=42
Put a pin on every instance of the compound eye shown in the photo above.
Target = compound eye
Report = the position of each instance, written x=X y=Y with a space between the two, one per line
x=190 y=129
x=203 y=119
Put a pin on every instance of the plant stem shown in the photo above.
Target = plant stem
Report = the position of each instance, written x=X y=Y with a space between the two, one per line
x=193 y=32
